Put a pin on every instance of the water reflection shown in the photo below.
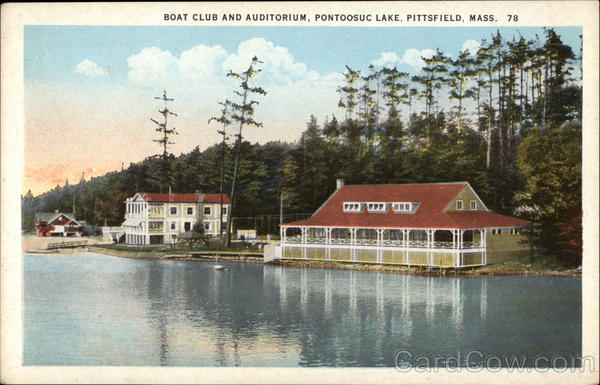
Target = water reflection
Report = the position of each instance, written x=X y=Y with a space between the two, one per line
x=177 y=313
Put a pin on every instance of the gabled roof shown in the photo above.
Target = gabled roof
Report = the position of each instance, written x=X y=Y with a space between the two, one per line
x=433 y=198
x=51 y=217
x=185 y=198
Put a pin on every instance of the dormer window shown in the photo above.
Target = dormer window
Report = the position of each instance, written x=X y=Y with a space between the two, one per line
x=400 y=207
x=376 y=207
x=352 y=207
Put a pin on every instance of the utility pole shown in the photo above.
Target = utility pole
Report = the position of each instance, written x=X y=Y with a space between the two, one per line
x=281 y=209
x=221 y=184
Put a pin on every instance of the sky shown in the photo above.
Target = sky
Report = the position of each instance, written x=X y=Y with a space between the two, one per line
x=89 y=90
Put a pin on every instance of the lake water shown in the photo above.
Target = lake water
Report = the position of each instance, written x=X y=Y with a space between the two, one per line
x=91 y=309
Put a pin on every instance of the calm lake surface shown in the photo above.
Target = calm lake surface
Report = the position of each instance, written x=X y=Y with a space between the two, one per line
x=91 y=309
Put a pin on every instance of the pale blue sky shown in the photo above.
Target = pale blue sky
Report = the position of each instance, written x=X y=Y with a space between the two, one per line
x=51 y=52
x=92 y=89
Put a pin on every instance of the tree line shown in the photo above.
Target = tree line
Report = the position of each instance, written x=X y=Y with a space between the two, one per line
x=505 y=118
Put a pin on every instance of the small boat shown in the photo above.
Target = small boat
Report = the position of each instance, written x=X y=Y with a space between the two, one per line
x=219 y=267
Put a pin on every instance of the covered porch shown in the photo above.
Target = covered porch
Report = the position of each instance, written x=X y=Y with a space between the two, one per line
x=403 y=246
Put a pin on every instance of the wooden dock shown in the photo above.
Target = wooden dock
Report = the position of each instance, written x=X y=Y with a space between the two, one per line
x=233 y=256
x=66 y=245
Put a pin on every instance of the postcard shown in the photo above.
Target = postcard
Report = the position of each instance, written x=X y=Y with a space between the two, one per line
x=381 y=192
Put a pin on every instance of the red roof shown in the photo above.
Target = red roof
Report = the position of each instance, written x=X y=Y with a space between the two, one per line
x=185 y=198
x=433 y=199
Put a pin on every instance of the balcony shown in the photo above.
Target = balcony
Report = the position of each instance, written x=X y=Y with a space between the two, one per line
x=156 y=227
x=156 y=212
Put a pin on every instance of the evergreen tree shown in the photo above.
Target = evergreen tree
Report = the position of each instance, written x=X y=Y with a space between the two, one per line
x=242 y=114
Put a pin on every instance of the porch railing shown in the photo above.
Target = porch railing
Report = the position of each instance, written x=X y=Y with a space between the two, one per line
x=384 y=243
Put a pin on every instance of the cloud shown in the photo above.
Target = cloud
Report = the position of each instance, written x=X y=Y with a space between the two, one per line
x=202 y=64
x=279 y=65
x=471 y=45
x=152 y=65
x=89 y=68
x=411 y=57
x=196 y=79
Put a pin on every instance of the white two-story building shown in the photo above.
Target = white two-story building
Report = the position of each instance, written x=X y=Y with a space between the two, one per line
x=152 y=218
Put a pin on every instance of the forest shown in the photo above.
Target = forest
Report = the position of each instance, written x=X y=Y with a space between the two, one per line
x=506 y=118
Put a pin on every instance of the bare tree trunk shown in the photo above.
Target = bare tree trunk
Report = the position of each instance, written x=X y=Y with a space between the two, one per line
x=235 y=169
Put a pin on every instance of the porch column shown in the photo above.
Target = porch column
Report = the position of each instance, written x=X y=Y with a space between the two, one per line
x=430 y=235
x=484 y=246
x=304 y=238
x=430 y=238
x=453 y=239
x=379 y=245
x=328 y=241
x=282 y=234
x=405 y=236
x=455 y=247
x=460 y=244
x=353 y=242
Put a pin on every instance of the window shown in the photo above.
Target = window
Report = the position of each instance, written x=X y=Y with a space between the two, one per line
x=224 y=211
x=402 y=207
x=352 y=207
x=207 y=226
x=473 y=205
x=377 y=207
x=173 y=225
x=187 y=226
x=173 y=210
x=190 y=211
x=459 y=205
x=207 y=210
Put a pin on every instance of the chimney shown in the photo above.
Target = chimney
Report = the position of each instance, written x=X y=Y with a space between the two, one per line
x=170 y=196
x=339 y=183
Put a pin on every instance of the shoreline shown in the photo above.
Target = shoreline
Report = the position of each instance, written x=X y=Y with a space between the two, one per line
x=189 y=256
x=490 y=270
x=518 y=269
